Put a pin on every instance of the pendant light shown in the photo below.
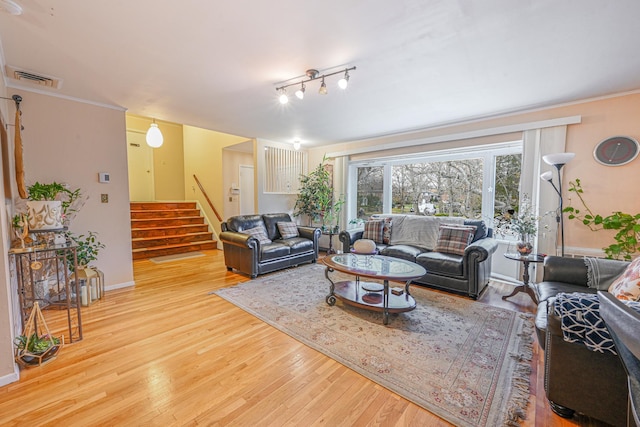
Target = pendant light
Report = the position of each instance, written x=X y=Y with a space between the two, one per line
x=154 y=136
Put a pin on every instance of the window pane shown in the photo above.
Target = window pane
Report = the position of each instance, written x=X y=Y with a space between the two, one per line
x=507 y=192
x=370 y=189
x=451 y=188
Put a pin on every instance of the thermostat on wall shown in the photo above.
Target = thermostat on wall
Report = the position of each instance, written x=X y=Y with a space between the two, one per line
x=104 y=177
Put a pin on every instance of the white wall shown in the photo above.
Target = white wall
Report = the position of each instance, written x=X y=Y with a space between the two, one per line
x=70 y=142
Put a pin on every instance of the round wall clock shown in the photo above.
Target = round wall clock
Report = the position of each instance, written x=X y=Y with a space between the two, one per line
x=616 y=151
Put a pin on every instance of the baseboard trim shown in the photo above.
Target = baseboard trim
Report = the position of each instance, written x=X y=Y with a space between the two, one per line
x=120 y=286
x=10 y=378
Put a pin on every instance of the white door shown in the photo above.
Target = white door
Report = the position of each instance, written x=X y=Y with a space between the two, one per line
x=140 y=162
x=247 y=206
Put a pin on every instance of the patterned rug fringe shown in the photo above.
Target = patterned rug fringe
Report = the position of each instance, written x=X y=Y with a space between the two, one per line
x=517 y=409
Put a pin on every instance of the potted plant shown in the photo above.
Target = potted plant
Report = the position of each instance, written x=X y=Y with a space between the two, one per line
x=87 y=248
x=523 y=225
x=49 y=204
x=36 y=345
x=627 y=226
x=315 y=198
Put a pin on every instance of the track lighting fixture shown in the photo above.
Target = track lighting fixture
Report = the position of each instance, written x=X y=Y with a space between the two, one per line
x=313 y=74
x=344 y=82
x=283 y=98
x=300 y=92
x=323 y=87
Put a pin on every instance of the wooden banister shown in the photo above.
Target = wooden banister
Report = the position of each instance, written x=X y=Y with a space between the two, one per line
x=207 y=197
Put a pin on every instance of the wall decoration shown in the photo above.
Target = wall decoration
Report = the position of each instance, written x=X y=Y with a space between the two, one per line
x=616 y=151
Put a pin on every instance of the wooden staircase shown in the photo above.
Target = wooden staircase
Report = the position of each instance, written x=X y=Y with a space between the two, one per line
x=167 y=228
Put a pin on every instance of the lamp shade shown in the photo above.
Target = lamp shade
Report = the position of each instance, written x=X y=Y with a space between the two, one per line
x=547 y=176
x=154 y=136
x=558 y=158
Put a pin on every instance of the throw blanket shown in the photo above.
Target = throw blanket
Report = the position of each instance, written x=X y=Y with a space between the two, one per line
x=602 y=272
x=581 y=322
x=417 y=230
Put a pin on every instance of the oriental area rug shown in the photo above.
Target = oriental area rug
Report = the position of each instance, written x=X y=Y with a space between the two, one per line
x=465 y=361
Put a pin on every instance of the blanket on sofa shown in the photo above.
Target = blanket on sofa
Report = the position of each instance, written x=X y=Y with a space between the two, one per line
x=419 y=231
x=581 y=322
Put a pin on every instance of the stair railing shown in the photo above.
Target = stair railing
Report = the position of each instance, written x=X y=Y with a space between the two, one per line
x=215 y=211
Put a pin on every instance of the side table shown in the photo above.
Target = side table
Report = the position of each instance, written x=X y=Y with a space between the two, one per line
x=525 y=260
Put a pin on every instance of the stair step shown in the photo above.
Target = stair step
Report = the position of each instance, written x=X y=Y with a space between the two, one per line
x=171 y=230
x=161 y=205
x=164 y=213
x=150 y=242
x=165 y=222
x=143 y=253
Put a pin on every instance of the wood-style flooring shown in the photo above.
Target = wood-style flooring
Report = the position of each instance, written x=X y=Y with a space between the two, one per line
x=168 y=353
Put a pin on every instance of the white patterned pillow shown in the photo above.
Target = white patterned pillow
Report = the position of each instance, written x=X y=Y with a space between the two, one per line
x=454 y=239
x=259 y=233
x=627 y=286
x=287 y=229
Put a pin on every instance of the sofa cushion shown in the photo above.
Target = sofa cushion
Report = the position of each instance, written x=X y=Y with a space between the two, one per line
x=402 y=251
x=244 y=222
x=386 y=231
x=481 y=228
x=271 y=221
x=259 y=233
x=454 y=239
x=441 y=263
x=287 y=229
x=602 y=272
x=627 y=286
x=274 y=250
x=297 y=245
x=374 y=230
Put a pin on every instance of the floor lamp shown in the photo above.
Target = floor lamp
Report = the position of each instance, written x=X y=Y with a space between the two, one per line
x=558 y=160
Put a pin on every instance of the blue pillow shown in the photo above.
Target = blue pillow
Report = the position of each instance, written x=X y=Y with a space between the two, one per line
x=481 y=228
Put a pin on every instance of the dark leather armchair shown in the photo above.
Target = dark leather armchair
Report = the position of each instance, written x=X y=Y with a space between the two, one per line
x=623 y=324
x=576 y=379
x=247 y=255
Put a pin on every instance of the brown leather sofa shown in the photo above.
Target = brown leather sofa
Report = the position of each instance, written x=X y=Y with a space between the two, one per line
x=247 y=255
x=576 y=379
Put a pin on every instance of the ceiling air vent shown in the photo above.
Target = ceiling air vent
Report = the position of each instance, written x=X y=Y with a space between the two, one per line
x=33 y=78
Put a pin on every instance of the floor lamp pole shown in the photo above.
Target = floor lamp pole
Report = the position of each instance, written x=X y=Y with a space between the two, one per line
x=559 y=166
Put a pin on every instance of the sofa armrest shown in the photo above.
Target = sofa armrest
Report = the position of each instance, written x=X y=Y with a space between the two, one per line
x=349 y=237
x=239 y=239
x=481 y=249
x=313 y=234
x=566 y=270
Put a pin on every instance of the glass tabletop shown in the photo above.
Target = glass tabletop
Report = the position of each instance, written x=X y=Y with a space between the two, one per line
x=375 y=266
x=530 y=257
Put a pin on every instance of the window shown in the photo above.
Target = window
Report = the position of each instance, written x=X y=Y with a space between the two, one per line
x=283 y=169
x=479 y=182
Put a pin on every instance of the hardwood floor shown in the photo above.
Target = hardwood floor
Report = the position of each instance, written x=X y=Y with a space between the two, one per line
x=168 y=353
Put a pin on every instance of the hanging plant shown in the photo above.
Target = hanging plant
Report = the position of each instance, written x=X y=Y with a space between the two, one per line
x=627 y=225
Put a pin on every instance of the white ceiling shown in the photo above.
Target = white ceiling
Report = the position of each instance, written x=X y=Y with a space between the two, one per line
x=420 y=63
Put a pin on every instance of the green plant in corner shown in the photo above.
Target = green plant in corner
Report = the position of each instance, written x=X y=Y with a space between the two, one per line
x=315 y=197
x=627 y=225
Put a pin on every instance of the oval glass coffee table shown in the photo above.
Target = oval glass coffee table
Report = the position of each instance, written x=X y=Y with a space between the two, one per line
x=372 y=295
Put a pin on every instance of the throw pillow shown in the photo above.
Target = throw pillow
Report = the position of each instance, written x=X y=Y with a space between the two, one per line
x=454 y=239
x=627 y=286
x=259 y=233
x=287 y=229
x=386 y=231
x=374 y=230
x=481 y=228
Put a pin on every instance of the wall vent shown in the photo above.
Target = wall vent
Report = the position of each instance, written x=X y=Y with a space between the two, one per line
x=33 y=77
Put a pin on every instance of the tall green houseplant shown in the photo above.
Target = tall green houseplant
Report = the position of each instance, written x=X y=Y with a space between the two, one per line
x=315 y=197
